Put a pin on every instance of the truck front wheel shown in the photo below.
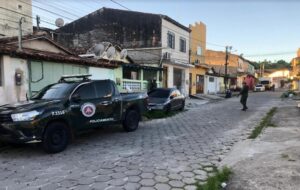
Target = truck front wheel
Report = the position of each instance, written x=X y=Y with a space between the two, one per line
x=131 y=121
x=56 y=137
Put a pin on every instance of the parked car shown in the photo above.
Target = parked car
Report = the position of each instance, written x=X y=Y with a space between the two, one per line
x=259 y=88
x=61 y=110
x=166 y=99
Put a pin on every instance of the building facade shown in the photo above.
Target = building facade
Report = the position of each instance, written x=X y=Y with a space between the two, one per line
x=11 y=12
x=197 y=58
x=238 y=68
x=151 y=40
x=295 y=71
x=26 y=72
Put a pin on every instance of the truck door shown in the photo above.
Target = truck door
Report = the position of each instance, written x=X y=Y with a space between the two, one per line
x=109 y=102
x=86 y=107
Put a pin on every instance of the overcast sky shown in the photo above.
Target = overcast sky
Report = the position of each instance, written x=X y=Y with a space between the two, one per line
x=266 y=29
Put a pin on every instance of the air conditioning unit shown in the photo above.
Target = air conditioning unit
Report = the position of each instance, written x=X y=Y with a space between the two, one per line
x=167 y=55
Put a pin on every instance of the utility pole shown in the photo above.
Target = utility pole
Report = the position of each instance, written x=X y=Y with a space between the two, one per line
x=38 y=21
x=228 y=48
x=20 y=33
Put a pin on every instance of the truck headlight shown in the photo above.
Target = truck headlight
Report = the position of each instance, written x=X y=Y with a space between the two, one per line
x=25 y=116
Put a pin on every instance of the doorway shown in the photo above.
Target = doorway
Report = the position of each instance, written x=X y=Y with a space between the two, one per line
x=199 y=84
x=165 y=77
x=190 y=83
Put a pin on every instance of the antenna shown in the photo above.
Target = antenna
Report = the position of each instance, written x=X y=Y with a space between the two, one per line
x=123 y=54
x=111 y=52
x=59 y=22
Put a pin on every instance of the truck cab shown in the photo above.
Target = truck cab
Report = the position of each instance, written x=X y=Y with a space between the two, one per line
x=59 y=111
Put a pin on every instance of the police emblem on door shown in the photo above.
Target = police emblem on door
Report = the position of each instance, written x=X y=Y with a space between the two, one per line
x=88 y=109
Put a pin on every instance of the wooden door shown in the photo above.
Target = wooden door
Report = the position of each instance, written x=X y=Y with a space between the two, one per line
x=199 y=84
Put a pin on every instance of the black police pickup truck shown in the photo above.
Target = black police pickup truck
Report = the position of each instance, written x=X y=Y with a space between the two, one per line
x=59 y=111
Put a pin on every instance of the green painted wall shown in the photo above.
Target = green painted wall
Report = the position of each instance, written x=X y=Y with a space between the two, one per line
x=43 y=73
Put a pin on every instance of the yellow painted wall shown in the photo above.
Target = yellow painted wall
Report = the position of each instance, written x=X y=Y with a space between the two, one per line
x=197 y=39
x=218 y=58
x=196 y=71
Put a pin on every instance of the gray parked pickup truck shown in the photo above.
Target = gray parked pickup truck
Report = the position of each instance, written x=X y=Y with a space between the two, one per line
x=59 y=111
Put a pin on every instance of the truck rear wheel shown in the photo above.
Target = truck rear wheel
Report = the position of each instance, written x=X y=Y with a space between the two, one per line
x=131 y=121
x=56 y=137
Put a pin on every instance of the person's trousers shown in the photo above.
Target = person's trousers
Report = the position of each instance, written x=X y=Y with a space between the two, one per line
x=244 y=101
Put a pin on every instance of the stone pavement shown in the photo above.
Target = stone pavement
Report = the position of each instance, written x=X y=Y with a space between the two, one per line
x=170 y=153
x=271 y=161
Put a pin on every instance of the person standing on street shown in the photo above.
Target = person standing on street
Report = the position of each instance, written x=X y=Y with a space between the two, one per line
x=244 y=96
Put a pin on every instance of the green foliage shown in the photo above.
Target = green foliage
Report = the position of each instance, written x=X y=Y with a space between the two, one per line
x=214 y=182
x=265 y=122
x=281 y=64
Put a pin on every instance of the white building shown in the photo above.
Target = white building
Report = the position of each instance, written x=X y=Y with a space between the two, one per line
x=11 y=12
x=40 y=63
x=175 y=43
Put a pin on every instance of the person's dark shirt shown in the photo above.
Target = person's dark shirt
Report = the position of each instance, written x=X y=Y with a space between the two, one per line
x=244 y=91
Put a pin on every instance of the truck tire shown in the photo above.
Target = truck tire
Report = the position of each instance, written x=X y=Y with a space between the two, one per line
x=131 y=121
x=182 y=106
x=56 y=137
x=167 y=108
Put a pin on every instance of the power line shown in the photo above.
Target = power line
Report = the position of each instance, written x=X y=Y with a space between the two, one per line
x=76 y=16
x=170 y=28
x=69 y=7
x=25 y=15
x=120 y=4
x=54 y=13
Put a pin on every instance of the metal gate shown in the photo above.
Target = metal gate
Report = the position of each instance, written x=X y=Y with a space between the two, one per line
x=43 y=73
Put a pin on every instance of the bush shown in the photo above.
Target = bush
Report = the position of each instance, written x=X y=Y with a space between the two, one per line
x=214 y=182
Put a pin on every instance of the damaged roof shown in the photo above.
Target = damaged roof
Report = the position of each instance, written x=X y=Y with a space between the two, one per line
x=9 y=46
x=31 y=37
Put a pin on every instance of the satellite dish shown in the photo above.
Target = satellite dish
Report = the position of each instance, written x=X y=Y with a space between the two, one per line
x=111 y=52
x=99 y=49
x=123 y=54
x=59 y=22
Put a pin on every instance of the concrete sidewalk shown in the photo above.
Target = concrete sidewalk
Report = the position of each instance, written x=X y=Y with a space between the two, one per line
x=272 y=161
x=191 y=103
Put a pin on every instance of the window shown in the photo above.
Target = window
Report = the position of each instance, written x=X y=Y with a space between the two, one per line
x=171 y=40
x=87 y=91
x=182 y=45
x=211 y=79
x=56 y=91
x=150 y=75
x=103 y=89
x=159 y=93
x=199 y=50
x=131 y=73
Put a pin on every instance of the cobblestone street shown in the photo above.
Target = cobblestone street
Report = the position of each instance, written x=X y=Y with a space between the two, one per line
x=171 y=153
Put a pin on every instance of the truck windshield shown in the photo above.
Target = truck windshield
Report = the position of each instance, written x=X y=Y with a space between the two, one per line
x=264 y=82
x=54 y=91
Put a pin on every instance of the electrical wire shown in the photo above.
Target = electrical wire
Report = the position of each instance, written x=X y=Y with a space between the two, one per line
x=54 y=13
x=63 y=10
x=26 y=15
x=120 y=5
